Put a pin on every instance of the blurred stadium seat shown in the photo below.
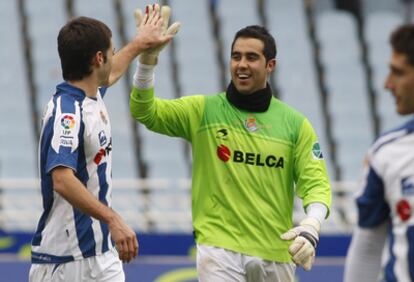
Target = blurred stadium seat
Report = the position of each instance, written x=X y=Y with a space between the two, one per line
x=346 y=86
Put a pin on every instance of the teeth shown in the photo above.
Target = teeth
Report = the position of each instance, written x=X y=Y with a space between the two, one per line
x=242 y=76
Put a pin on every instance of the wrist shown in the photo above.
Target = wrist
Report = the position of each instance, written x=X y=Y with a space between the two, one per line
x=148 y=59
x=144 y=76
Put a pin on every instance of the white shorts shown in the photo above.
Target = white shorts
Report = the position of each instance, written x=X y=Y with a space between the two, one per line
x=103 y=268
x=219 y=265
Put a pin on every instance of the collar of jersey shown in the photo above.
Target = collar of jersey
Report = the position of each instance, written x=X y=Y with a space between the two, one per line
x=257 y=101
x=72 y=90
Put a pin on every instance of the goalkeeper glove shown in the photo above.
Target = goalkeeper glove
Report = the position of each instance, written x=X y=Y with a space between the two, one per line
x=150 y=56
x=306 y=238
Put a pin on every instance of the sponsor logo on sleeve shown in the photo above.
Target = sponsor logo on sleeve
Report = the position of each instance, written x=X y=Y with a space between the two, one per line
x=102 y=138
x=316 y=151
x=67 y=122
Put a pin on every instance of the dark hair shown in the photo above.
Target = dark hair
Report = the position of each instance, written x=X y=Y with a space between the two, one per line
x=261 y=33
x=78 y=42
x=402 y=41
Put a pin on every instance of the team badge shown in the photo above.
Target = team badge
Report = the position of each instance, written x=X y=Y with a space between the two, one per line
x=316 y=151
x=250 y=123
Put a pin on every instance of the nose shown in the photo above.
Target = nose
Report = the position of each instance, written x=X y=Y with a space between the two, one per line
x=389 y=83
x=242 y=62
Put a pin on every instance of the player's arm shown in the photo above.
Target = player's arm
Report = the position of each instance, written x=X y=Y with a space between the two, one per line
x=151 y=35
x=312 y=186
x=69 y=187
x=363 y=261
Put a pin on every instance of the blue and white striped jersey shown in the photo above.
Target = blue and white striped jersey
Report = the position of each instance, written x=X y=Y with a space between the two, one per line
x=388 y=195
x=76 y=133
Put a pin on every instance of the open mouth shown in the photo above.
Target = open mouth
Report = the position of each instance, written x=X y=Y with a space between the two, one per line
x=243 y=76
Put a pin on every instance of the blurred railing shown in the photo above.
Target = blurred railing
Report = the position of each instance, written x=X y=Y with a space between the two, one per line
x=153 y=205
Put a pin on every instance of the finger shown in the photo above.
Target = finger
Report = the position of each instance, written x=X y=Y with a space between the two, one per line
x=125 y=254
x=308 y=264
x=290 y=235
x=173 y=29
x=120 y=250
x=165 y=15
x=295 y=247
x=303 y=254
x=131 y=249
x=136 y=246
x=138 y=17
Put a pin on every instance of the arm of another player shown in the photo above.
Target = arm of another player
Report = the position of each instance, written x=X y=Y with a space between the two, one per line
x=363 y=261
x=151 y=35
x=69 y=187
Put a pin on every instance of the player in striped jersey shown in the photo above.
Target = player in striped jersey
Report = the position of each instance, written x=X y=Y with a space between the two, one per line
x=73 y=240
x=386 y=202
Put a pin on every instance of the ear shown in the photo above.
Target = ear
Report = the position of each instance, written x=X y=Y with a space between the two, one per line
x=271 y=65
x=98 y=59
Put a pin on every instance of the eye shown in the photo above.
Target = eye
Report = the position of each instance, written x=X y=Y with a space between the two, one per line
x=235 y=56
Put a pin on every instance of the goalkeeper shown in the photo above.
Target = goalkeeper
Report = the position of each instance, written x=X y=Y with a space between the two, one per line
x=252 y=153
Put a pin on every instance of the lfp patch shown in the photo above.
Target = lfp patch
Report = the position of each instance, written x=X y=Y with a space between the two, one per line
x=316 y=151
x=67 y=122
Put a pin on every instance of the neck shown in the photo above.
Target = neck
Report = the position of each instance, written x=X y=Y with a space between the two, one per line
x=89 y=85
x=257 y=101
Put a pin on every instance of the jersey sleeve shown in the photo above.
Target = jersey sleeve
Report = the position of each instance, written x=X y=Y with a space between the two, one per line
x=63 y=129
x=372 y=206
x=310 y=174
x=177 y=117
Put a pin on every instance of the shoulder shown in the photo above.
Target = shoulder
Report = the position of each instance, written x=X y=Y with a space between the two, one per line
x=391 y=137
x=281 y=108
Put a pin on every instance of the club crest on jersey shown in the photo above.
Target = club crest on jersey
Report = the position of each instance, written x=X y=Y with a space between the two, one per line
x=250 y=123
x=404 y=210
x=316 y=151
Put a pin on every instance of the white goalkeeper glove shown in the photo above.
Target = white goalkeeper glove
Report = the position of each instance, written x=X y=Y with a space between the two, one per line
x=150 y=57
x=306 y=238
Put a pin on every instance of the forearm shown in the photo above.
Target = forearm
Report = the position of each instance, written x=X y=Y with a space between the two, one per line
x=121 y=61
x=363 y=261
x=71 y=189
x=142 y=105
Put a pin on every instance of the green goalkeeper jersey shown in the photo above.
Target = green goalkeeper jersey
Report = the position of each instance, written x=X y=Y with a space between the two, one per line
x=247 y=167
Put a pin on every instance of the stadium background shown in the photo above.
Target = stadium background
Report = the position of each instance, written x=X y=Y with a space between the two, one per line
x=331 y=64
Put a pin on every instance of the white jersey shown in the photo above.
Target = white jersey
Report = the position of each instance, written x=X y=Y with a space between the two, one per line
x=76 y=133
x=388 y=195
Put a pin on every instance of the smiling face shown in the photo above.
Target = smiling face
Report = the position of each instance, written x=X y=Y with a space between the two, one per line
x=400 y=81
x=248 y=66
